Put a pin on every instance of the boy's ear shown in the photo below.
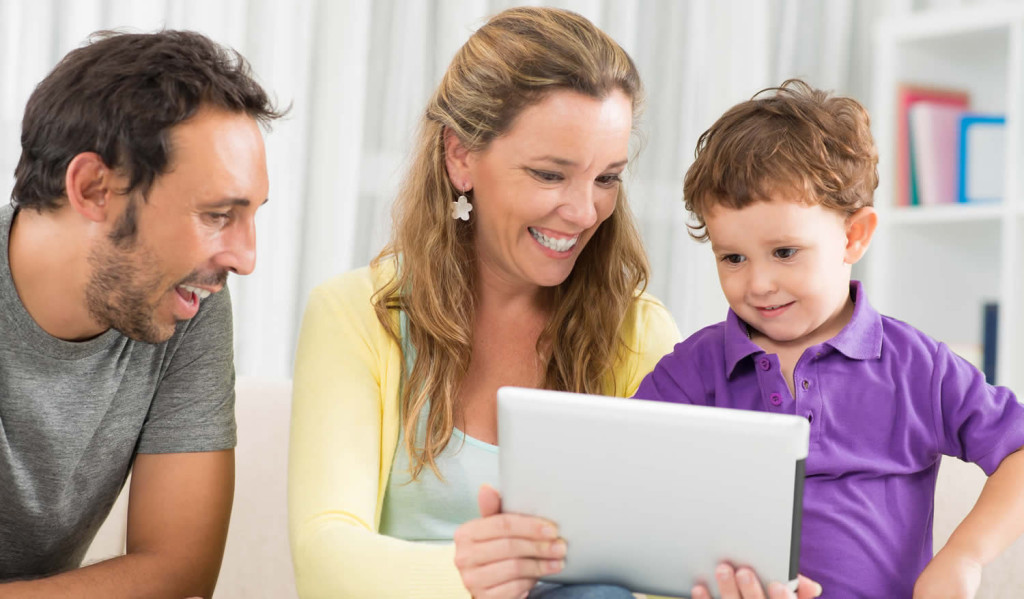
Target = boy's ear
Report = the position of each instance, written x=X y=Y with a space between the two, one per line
x=457 y=161
x=90 y=185
x=860 y=227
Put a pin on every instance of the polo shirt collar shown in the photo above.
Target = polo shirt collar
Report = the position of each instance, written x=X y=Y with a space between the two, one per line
x=860 y=339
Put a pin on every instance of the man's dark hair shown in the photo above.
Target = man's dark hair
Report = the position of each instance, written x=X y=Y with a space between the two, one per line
x=119 y=96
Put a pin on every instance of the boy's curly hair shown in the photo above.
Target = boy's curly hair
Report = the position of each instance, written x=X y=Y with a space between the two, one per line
x=791 y=138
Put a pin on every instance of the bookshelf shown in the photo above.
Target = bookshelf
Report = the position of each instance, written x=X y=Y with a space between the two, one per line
x=936 y=266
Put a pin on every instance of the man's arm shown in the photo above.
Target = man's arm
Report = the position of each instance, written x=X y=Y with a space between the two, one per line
x=179 y=505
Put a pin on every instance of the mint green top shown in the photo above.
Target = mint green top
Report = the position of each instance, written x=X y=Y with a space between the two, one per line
x=430 y=509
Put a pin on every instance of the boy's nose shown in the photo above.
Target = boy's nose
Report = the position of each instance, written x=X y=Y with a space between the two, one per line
x=762 y=282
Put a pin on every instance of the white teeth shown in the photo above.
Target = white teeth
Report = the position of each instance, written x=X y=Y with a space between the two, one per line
x=200 y=293
x=553 y=243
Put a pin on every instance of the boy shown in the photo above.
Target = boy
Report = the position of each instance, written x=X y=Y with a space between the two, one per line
x=782 y=186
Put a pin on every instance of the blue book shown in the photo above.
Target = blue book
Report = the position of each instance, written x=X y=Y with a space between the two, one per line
x=982 y=158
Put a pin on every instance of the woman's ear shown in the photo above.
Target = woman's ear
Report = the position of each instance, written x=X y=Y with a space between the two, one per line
x=457 y=161
x=90 y=186
x=860 y=227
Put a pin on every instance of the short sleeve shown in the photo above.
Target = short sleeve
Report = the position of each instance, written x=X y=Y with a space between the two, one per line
x=977 y=422
x=193 y=408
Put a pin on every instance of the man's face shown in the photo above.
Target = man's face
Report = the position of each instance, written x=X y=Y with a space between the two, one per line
x=196 y=226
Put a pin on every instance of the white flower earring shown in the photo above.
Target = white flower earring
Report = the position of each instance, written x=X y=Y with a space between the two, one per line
x=461 y=208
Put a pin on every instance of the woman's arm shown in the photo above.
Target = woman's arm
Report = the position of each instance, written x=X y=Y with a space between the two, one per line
x=345 y=367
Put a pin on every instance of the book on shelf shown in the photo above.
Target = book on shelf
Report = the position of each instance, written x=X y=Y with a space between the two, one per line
x=907 y=95
x=935 y=151
x=982 y=172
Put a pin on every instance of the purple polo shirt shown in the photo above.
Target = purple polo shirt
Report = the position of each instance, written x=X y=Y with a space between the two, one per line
x=884 y=401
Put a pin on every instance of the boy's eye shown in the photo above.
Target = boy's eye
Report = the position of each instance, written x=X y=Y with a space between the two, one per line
x=733 y=258
x=546 y=176
x=785 y=253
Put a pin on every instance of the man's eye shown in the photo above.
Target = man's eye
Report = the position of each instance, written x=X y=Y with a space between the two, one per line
x=785 y=253
x=218 y=217
x=733 y=258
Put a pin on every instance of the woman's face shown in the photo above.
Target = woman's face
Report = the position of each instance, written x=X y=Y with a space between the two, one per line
x=542 y=188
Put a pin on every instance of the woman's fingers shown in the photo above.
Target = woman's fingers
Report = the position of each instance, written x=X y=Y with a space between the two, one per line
x=503 y=526
x=497 y=574
x=513 y=589
x=487 y=552
x=488 y=500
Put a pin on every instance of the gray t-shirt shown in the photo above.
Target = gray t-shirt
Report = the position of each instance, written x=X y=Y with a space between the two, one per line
x=73 y=416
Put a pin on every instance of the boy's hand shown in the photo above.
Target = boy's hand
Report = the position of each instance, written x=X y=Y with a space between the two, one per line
x=743 y=584
x=949 y=575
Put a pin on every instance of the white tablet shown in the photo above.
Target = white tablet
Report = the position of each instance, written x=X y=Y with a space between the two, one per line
x=653 y=496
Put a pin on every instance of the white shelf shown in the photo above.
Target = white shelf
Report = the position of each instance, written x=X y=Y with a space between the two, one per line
x=936 y=266
x=943 y=24
x=922 y=215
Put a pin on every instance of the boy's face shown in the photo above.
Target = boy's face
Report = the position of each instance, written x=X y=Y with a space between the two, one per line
x=784 y=266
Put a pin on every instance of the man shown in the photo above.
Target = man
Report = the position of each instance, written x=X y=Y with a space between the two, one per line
x=141 y=171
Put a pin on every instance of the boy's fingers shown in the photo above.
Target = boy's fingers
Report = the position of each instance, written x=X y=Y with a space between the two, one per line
x=749 y=585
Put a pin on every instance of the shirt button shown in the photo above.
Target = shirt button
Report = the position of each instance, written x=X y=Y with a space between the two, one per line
x=776 y=399
x=764 y=364
x=806 y=385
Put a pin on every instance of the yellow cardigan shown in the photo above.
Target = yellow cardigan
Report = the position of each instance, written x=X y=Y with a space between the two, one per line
x=344 y=433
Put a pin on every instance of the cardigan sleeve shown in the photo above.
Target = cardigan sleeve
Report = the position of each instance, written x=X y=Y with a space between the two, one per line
x=335 y=470
x=650 y=332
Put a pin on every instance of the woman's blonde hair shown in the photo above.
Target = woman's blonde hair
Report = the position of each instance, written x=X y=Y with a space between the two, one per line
x=508 y=64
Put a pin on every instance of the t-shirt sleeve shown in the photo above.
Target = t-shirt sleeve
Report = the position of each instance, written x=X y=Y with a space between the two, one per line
x=194 y=405
x=977 y=422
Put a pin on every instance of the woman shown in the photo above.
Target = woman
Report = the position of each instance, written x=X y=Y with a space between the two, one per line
x=514 y=261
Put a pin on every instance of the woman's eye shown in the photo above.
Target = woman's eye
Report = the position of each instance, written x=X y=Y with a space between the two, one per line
x=733 y=258
x=609 y=180
x=785 y=253
x=546 y=176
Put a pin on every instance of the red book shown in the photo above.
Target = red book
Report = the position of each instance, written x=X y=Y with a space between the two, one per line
x=907 y=95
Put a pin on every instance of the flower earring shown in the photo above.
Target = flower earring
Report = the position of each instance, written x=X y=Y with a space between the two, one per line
x=461 y=208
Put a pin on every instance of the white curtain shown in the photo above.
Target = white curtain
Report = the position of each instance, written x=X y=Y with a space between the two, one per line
x=357 y=74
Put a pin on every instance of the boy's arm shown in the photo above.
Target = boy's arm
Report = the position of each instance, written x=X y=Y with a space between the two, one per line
x=178 y=510
x=981 y=423
x=996 y=520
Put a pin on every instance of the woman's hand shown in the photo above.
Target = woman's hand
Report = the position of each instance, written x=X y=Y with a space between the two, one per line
x=743 y=584
x=503 y=555
x=948 y=575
